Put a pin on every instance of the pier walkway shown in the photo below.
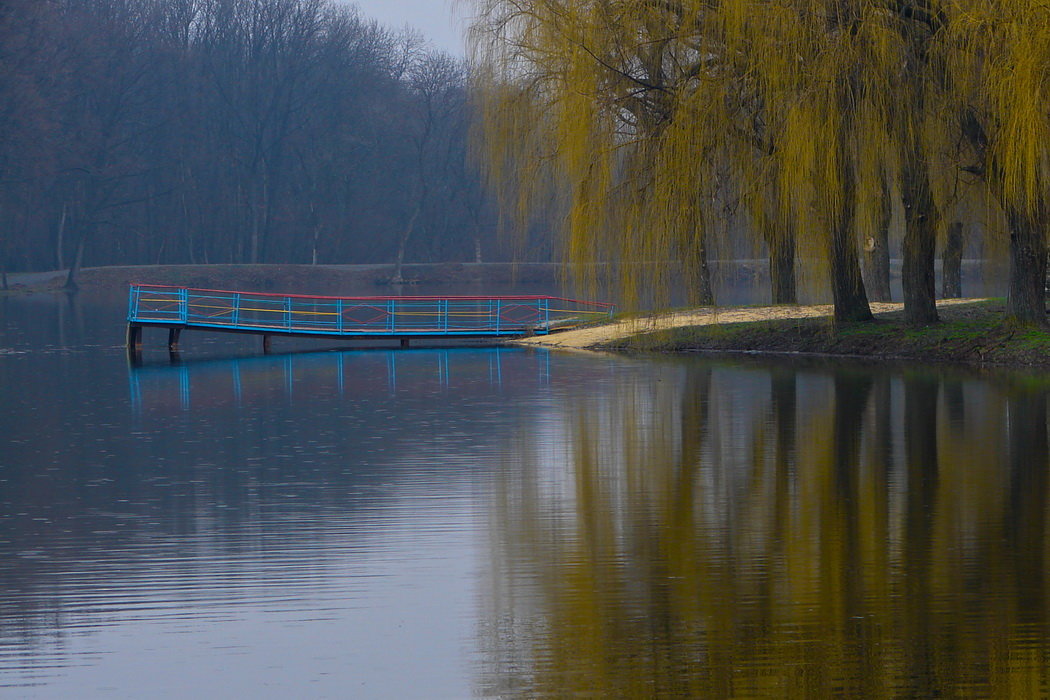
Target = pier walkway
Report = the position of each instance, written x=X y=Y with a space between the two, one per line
x=402 y=318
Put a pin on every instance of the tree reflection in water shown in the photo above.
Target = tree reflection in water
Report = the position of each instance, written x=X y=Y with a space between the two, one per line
x=772 y=532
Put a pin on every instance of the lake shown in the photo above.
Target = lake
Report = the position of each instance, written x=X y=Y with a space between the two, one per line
x=503 y=523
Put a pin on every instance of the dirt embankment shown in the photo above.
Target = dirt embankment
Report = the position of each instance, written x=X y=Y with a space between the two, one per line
x=971 y=332
x=632 y=330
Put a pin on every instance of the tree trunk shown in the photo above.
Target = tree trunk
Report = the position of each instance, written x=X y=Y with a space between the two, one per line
x=78 y=259
x=399 y=263
x=782 y=265
x=877 y=251
x=59 y=257
x=260 y=219
x=878 y=259
x=920 y=240
x=847 y=287
x=402 y=243
x=851 y=301
x=254 y=241
x=698 y=273
x=951 y=262
x=315 y=227
x=1026 y=294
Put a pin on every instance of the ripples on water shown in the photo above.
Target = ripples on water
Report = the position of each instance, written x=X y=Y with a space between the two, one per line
x=454 y=523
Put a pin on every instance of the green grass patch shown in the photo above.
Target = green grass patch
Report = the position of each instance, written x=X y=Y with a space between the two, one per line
x=968 y=333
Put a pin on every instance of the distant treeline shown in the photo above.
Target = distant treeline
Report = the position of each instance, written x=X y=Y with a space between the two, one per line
x=229 y=131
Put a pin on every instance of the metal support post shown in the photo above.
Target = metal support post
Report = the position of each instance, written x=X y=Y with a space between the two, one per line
x=134 y=337
x=184 y=305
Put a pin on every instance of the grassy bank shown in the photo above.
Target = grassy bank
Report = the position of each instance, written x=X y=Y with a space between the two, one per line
x=970 y=333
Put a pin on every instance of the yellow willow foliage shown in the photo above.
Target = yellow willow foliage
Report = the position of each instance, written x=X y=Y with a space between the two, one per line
x=654 y=117
x=998 y=54
x=620 y=100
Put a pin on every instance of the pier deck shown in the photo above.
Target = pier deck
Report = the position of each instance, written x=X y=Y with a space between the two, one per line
x=401 y=318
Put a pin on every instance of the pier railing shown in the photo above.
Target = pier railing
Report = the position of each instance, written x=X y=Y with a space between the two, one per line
x=379 y=316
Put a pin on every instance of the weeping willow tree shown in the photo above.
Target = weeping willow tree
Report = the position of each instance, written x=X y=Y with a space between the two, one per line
x=807 y=60
x=1000 y=56
x=918 y=127
x=814 y=111
x=640 y=104
x=612 y=100
x=854 y=96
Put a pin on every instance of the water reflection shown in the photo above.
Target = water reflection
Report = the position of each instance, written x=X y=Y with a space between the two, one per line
x=333 y=523
x=247 y=379
x=279 y=525
x=769 y=532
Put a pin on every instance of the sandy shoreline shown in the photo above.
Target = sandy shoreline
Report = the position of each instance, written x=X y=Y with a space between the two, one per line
x=592 y=336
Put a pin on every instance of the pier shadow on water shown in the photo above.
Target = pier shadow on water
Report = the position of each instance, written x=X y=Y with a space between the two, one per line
x=777 y=532
x=241 y=381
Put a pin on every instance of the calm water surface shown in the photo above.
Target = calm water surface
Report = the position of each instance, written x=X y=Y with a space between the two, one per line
x=455 y=523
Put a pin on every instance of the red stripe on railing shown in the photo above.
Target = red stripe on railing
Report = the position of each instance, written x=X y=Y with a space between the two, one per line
x=511 y=297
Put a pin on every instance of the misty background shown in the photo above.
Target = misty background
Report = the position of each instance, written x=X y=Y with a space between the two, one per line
x=232 y=131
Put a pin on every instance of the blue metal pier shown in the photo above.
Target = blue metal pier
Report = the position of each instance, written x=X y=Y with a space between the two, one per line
x=382 y=317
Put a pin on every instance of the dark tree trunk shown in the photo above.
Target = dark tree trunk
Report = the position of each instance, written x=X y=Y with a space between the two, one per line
x=951 y=262
x=698 y=273
x=402 y=244
x=851 y=301
x=877 y=251
x=1026 y=295
x=878 y=264
x=254 y=237
x=59 y=243
x=78 y=260
x=847 y=287
x=782 y=265
x=920 y=240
